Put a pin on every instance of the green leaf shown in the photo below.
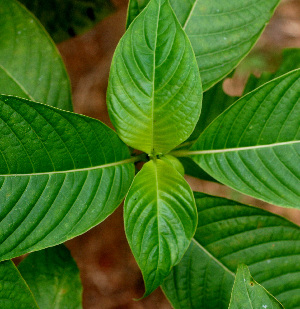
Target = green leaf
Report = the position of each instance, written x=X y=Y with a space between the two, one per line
x=65 y=19
x=159 y=221
x=248 y=294
x=228 y=234
x=147 y=110
x=221 y=32
x=254 y=146
x=30 y=65
x=14 y=292
x=60 y=175
x=53 y=278
x=290 y=61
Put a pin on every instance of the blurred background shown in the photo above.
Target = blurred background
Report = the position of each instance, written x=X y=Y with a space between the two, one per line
x=110 y=276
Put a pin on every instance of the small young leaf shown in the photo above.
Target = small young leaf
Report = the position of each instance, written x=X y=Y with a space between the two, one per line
x=248 y=294
x=254 y=146
x=14 y=292
x=160 y=220
x=30 y=65
x=228 y=234
x=53 y=278
x=60 y=175
x=222 y=32
x=154 y=93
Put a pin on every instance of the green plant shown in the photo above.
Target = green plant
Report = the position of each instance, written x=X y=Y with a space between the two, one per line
x=63 y=173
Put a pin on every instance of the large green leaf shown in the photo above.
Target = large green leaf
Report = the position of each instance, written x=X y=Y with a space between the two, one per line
x=53 y=278
x=154 y=92
x=222 y=32
x=248 y=294
x=215 y=101
x=30 y=65
x=229 y=234
x=254 y=146
x=61 y=174
x=14 y=293
x=64 y=19
x=160 y=220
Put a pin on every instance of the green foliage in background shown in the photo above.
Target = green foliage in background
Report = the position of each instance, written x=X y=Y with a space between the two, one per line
x=62 y=173
x=30 y=65
x=67 y=18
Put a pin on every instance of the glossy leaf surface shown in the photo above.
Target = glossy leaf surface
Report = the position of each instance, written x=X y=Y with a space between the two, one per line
x=248 y=294
x=229 y=234
x=61 y=174
x=254 y=146
x=65 y=19
x=14 y=292
x=53 y=277
x=154 y=92
x=222 y=32
x=160 y=220
x=30 y=65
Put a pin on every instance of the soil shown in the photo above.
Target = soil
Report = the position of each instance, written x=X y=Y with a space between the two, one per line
x=110 y=276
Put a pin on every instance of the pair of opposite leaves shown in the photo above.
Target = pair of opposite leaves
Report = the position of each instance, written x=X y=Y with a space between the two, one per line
x=154 y=102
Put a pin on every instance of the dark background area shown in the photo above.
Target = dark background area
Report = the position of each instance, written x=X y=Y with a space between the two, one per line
x=110 y=276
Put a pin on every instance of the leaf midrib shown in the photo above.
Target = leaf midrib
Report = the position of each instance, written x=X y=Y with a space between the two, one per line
x=190 y=15
x=86 y=169
x=26 y=284
x=153 y=82
x=180 y=153
x=247 y=292
x=213 y=257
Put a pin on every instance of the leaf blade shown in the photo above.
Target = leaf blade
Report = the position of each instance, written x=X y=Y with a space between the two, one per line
x=30 y=64
x=148 y=112
x=53 y=278
x=158 y=226
x=61 y=174
x=14 y=290
x=255 y=141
